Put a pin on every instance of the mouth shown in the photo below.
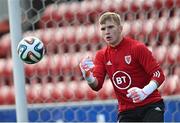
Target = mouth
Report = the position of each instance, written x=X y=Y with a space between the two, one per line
x=108 y=38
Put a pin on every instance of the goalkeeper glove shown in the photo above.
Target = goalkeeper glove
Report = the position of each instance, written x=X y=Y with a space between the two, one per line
x=86 y=67
x=139 y=95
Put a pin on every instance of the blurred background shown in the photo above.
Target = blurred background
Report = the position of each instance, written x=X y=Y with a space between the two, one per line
x=55 y=88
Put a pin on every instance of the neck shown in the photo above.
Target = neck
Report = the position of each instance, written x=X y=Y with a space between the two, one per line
x=119 y=41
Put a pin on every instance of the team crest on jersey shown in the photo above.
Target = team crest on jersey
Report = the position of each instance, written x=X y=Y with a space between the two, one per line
x=128 y=59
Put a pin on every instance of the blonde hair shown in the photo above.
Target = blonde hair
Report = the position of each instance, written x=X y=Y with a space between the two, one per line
x=112 y=16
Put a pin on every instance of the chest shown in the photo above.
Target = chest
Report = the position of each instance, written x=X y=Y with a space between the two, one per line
x=120 y=60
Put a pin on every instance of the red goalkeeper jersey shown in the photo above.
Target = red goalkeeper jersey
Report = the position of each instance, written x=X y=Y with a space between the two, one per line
x=129 y=64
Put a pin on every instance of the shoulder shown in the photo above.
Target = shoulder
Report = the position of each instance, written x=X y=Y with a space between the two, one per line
x=101 y=54
x=101 y=51
x=137 y=45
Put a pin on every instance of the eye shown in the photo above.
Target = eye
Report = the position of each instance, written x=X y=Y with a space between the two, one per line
x=111 y=26
x=102 y=29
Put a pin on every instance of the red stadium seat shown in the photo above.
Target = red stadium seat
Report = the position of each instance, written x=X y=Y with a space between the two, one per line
x=30 y=70
x=177 y=70
x=136 y=5
x=54 y=65
x=169 y=86
x=158 y=4
x=42 y=67
x=69 y=91
x=169 y=3
x=173 y=24
x=4 y=93
x=11 y=95
x=160 y=25
x=148 y=4
x=5 y=45
x=93 y=34
x=81 y=91
x=126 y=28
x=8 y=68
x=136 y=27
x=81 y=35
x=33 y=93
x=46 y=92
x=58 y=36
x=147 y=26
x=91 y=95
x=3 y=67
x=70 y=34
x=173 y=53
x=160 y=53
x=107 y=91
x=124 y=5
x=58 y=90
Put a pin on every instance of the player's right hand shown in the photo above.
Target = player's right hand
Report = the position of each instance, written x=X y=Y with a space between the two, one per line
x=86 y=66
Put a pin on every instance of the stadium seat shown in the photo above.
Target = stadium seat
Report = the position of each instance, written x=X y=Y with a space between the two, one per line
x=136 y=5
x=2 y=68
x=147 y=26
x=57 y=92
x=5 y=45
x=33 y=93
x=81 y=91
x=91 y=94
x=4 y=94
x=30 y=70
x=136 y=27
x=173 y=24
x=70 y=34
x=160 y=53
x=158 y=4
x=107 y=91
x=169 y=86
x=8 y=68
x=81 y=35
x=148 y=4
x=69 y=91
x=173 y=53
x=11 y=95
x=46 y=92
x=54 y=65
x=160 y=25
x=169 y=3
x=42 y=67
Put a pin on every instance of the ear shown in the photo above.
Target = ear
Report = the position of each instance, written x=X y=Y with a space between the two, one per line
x=120 y=27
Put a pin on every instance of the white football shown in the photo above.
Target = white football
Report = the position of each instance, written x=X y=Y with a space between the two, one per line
x=31 y=49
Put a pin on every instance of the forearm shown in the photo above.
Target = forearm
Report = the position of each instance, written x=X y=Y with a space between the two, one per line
x=94 y=85
x=151 y=87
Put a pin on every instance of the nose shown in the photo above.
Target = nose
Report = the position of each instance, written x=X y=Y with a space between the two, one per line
x=107 y=31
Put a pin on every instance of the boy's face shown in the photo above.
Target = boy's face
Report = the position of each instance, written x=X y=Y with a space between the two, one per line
x=111 y=32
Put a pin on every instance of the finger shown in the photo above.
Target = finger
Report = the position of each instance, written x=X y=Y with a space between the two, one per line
x=133 y=94
x=136 y=100
x=128 y=95
x=131 y=89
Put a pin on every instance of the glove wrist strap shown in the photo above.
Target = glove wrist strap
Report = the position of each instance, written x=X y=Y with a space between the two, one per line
x=148 y=89
x=90 y=80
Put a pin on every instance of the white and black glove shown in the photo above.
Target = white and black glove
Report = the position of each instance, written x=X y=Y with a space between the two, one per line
x=86 y=66
x=138 y=94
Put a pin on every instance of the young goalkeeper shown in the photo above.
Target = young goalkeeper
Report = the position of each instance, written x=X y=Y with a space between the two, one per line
x=134 y=73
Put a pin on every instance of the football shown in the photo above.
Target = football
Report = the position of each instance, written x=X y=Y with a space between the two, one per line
x=31 y=50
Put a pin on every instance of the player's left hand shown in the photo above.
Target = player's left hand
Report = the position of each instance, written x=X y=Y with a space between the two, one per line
x=136 y=94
